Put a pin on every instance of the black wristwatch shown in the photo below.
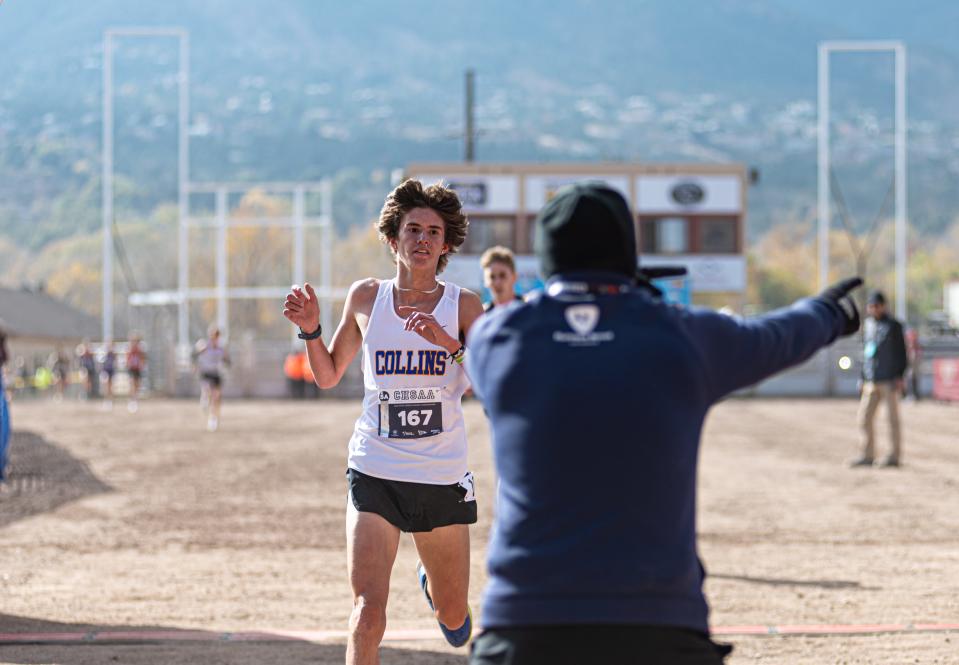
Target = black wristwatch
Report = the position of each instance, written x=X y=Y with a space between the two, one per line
x=313 y=335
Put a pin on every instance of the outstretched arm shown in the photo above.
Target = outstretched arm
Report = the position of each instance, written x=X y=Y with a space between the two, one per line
x=739 y=353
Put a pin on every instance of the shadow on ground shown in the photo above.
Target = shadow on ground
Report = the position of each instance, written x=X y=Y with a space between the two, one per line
x=774 y=581
x=42 y=477
x=195 y=647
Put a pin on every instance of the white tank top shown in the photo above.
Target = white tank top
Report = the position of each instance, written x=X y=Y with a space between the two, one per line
x=411 y=428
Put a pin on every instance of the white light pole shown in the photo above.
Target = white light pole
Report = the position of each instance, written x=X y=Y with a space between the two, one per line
x=825 y=192
x=823 y=161
x=106 y=184
x=901 y=220
x=183 y=163
x=326 y=257
x=183 y=194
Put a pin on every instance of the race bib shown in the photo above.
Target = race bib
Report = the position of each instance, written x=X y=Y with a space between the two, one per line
x=410 y=413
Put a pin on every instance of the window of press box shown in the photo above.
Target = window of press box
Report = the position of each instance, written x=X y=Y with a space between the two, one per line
x=485 y=232
x=664 y=235
x=718 y=235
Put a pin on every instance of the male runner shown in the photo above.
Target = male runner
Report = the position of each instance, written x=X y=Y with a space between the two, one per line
x=407 y=457
x=210 y=356
x=499 y=276
x=596 y=391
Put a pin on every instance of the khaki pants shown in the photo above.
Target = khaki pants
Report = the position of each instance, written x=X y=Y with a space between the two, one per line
x=872 y=394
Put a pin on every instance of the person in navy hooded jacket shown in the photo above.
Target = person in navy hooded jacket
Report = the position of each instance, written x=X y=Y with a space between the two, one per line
x=596 y=391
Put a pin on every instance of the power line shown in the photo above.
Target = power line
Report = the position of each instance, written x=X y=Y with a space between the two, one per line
x=121 y=253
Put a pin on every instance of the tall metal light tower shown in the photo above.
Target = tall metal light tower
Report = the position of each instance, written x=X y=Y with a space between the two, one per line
x=183 y=165
x=824 y=188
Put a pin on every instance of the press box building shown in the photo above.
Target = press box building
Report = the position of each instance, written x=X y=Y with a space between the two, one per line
x=685 y=214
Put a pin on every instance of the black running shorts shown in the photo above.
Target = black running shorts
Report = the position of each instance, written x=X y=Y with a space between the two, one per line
x=213 y=378
x=605 y=644
x=411 y=506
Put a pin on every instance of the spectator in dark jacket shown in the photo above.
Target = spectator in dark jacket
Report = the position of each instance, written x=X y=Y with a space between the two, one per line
x=883 y=367
x=597 y=391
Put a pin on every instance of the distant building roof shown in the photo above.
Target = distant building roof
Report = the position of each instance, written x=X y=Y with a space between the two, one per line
x=35 y=314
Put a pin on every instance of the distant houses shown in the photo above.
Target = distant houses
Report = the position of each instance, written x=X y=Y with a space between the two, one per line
x=37 y=324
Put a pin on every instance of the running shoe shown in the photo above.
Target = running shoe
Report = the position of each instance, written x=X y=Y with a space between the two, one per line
x=461 y=635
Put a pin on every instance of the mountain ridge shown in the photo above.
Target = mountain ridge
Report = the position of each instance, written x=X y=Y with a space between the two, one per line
x=305 y=89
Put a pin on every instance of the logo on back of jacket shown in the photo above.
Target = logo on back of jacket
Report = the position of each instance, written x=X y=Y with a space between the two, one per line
x=583 y=319
x=422 y=362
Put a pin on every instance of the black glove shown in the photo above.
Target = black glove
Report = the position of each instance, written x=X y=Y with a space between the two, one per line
x=838 y=296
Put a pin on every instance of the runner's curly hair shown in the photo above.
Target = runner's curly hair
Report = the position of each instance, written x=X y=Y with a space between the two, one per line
x=437 y=197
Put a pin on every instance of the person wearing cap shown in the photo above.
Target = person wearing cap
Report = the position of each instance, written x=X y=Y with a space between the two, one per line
x=597 y=380
x=499 y=276
x=884 y=363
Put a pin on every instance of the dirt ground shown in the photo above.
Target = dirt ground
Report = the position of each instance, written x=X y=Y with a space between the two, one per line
x=146 y=522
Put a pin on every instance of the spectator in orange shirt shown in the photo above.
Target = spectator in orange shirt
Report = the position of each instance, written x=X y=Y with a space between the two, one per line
x=293 y=369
